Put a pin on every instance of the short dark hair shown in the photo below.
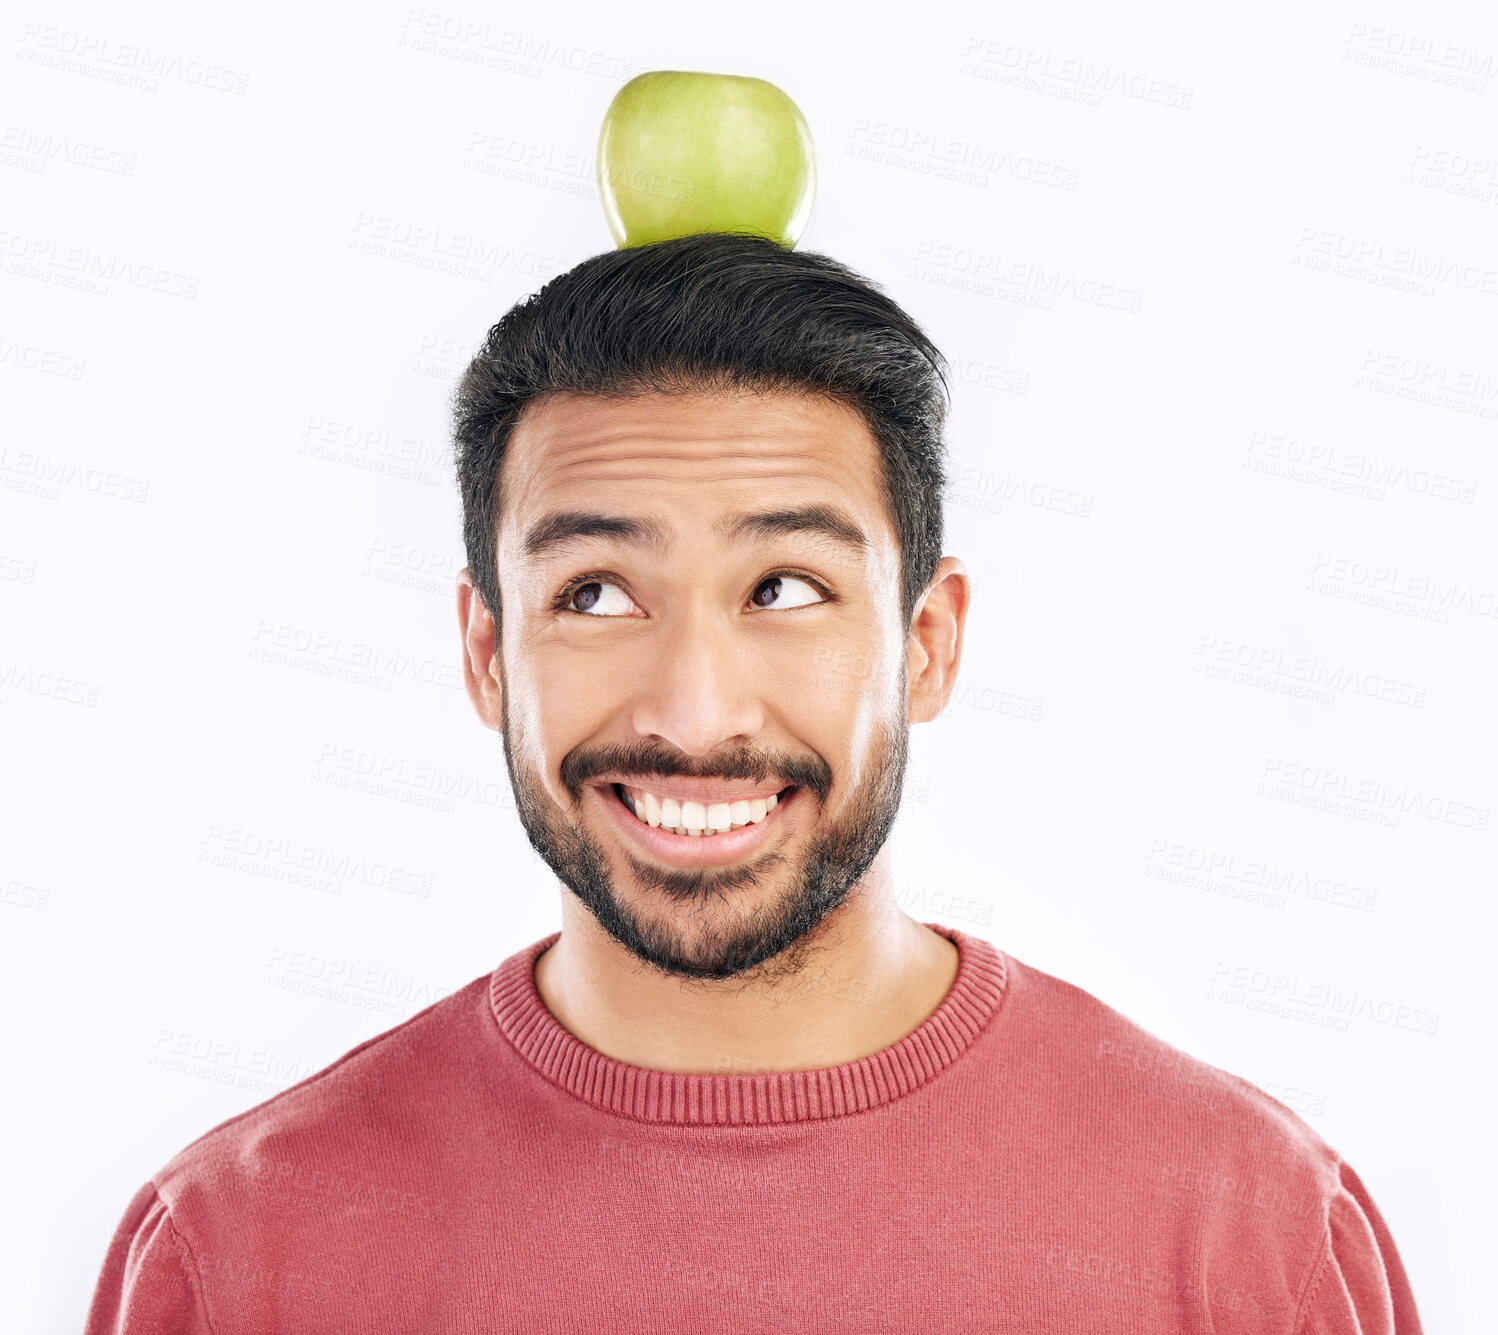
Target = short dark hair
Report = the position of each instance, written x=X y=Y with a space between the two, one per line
x=712 y=311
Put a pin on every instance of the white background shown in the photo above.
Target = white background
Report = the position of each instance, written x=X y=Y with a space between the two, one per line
x=1233 y=550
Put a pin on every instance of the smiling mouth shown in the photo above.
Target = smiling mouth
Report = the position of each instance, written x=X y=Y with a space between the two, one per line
x=696 y=819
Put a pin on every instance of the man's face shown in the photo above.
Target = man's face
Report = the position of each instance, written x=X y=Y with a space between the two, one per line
x=700 y=602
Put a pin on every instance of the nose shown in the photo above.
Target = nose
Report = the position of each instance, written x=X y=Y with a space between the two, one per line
x=704 y=689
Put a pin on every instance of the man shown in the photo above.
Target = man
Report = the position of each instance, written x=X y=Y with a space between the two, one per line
x=739 y=1090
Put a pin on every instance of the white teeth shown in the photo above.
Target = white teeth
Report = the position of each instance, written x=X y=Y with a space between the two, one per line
x=697 y=819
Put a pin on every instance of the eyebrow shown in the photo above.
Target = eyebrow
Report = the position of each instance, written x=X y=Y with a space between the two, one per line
x=562 y=528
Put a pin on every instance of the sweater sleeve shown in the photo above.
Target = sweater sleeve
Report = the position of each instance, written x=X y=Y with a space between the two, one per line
x=148 y=1284
x=1359 y=1287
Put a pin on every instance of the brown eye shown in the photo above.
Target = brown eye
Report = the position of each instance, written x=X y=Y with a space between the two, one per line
x=593 y=598
x=795 y=591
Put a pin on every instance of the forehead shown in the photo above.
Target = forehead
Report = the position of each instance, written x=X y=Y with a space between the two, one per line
x=688 y=459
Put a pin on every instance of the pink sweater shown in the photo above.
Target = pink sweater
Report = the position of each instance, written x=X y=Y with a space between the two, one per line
x=1027 y=1160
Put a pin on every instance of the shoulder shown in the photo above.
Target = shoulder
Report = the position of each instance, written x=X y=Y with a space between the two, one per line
x=1272 y=1224
x=1085 y=1042
x=348 y=1112
x=1255 y=1200
x=361 y=1144
x=1197 y=1135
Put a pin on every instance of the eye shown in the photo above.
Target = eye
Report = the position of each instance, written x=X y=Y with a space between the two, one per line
x=592 y=598
x=598 y=597
x=792 y=588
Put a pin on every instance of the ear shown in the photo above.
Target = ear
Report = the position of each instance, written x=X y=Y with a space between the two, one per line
x=481 y=677
x=934 y=651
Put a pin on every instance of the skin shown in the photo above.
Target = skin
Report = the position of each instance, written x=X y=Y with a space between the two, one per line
x=684 y=662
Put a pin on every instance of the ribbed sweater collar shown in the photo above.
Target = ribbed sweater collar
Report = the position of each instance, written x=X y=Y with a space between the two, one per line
x=712 y=1099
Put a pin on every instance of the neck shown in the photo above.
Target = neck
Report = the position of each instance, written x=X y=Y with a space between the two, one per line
x=871 y=976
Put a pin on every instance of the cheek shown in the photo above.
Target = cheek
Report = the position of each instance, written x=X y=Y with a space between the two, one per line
x=557 y=698
x=843 y=680
x=841 y=701
x=570 y=693
x=853 y=699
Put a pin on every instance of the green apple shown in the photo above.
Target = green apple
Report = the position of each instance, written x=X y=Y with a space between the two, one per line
x=683 y=152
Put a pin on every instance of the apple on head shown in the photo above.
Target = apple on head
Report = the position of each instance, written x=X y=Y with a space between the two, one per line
x=683 y=152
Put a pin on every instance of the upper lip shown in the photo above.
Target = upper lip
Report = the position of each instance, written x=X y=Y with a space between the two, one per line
x=706 y=791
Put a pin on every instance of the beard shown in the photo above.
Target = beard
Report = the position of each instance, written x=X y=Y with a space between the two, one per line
x=687 y=937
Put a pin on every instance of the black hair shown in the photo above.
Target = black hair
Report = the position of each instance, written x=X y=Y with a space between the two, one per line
x=713 y=311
